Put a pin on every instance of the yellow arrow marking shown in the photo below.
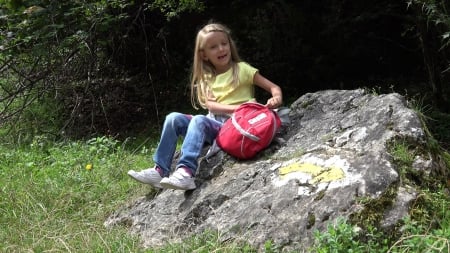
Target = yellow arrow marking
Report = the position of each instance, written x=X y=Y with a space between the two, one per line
x=318 y=173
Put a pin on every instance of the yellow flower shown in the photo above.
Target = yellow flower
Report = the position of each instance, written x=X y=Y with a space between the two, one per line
x=88 y=166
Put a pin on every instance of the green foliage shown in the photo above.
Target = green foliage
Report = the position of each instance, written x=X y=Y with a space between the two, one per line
x=427 y=230
x=173 y=8
x=439 y=125
x=46 y=47
x=403 y=155
x=80 y=53
x=446 y=157
x=437 y=13
x=68 y=51
x=41 y=117
x=344 y=237
x=431 y=209
x=432 y=22
x=418 y=235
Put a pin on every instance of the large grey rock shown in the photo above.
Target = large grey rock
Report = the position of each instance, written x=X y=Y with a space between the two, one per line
x=334 y=152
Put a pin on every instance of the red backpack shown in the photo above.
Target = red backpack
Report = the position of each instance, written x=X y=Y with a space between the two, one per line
x=250 y=129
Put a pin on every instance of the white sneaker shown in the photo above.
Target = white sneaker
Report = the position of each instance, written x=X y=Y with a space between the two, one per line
x=148 y=176
x=179 y=180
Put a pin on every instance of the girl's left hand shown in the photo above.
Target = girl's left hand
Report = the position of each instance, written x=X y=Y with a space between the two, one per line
x=274 y=102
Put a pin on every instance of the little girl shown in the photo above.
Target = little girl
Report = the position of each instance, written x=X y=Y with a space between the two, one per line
x=220 y=83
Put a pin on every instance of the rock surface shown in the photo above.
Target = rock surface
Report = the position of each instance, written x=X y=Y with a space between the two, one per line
x=334 y=152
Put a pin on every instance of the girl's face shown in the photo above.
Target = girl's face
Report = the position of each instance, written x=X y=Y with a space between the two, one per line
x=216 y=50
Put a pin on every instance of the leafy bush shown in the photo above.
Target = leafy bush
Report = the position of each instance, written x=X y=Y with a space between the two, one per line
x=417 y=236
x=76 y=56
x=49 y=47
x=344 y=237
x=432 y=24
x=428 y=227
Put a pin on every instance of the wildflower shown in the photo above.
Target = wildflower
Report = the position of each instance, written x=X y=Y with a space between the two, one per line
x=88 y=166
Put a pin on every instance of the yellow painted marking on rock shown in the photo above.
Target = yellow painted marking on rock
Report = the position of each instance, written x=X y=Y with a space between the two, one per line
x=318 y=173
x=331 y=174
x=301 y=167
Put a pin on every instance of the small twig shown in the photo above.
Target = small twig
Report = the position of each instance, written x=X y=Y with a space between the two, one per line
x=104 y=113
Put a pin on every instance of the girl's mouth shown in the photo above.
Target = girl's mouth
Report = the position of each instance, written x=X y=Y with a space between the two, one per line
x=222 y=56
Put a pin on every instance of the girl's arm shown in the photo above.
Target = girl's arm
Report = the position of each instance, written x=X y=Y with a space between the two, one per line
x=277 y=97
x=218 y=108
x=275 y=101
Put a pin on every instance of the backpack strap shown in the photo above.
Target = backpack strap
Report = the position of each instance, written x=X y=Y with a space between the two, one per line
x=242 y=131
x=213 y=149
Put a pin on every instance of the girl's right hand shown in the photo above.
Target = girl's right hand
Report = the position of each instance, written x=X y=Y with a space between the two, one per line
x=218 y=108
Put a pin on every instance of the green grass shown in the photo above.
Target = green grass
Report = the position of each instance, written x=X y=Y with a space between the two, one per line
x=209 y=241
x=55 y=197
x=427 y=229
x=51 y=202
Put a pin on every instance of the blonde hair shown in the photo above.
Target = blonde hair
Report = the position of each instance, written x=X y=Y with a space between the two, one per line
x=203 y=72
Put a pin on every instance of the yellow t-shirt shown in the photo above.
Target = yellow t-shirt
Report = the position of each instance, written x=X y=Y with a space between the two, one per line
x=227 y=93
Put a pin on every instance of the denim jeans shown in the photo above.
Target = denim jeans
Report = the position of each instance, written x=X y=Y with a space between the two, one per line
x=196 y=130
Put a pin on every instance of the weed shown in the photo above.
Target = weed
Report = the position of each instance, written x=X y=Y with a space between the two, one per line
x=339 y=237
x=372 y=214
x=427 y=229
x=307 y=104
x=403 y=157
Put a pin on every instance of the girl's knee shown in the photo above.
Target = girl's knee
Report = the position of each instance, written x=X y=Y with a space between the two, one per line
x=199 y=119
x=177 y=121
x=175 y=116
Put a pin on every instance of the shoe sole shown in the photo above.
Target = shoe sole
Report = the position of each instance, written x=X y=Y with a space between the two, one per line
x=167 y=185
x=156 y=185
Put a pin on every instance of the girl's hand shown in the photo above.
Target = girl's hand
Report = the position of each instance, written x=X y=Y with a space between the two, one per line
x=218 y=108
x=277 y=98
x=274 y=102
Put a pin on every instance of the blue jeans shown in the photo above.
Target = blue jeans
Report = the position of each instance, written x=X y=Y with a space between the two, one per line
x=196 y=130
